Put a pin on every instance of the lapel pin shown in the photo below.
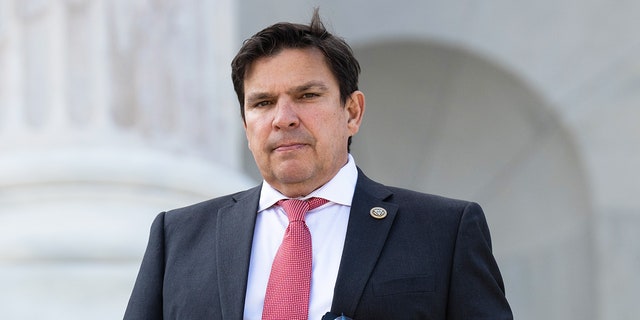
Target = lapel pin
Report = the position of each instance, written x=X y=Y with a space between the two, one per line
x=378 y=212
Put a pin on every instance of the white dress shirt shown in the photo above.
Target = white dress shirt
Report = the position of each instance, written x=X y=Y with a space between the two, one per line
x=328 y=227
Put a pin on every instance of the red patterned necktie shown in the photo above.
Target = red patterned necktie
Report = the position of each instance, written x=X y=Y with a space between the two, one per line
x=289 y=284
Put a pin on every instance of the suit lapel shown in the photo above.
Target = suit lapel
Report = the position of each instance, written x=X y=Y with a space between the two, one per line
x=233 y=243
x=365 y=239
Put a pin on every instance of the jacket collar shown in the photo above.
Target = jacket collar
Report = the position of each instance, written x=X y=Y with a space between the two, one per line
x=234 y=237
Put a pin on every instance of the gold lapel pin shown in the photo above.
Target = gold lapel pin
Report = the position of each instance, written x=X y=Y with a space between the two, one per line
x=378 y=212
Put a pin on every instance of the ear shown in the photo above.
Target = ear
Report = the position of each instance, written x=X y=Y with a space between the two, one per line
x=354 y=107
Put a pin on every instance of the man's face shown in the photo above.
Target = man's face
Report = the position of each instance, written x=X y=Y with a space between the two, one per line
x=295 y=123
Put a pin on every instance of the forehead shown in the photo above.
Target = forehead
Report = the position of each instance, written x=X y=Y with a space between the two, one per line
x=289 y=66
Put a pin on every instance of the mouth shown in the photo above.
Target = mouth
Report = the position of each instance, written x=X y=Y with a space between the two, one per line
x=289 y=147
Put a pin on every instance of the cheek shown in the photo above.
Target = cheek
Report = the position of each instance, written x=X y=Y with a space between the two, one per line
x=253 y=141
x=247 y=134
x=335 y=125
x=332 y=137
x=252 y=129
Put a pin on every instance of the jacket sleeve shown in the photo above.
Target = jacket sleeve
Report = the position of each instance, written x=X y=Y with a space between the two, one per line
x=476 y=286
x=146 y=299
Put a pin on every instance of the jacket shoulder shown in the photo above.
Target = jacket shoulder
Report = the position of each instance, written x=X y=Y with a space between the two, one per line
x=416 y=198
x=406 y=198
x=210 y=207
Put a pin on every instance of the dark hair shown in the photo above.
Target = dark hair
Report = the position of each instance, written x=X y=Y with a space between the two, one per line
x=271 y=40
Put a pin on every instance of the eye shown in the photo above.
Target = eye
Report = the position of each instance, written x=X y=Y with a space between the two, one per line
x=309 y=95
x=262 y=104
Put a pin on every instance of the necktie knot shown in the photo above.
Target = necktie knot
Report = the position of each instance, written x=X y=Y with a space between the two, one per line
x=296 y=209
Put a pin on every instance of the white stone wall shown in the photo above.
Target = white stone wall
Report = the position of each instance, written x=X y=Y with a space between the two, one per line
x=110 y=112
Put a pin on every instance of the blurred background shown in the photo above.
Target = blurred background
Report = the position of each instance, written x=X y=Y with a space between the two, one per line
x=114 y=110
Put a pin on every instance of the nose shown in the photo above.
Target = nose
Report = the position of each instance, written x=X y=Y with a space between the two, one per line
x=286 y=116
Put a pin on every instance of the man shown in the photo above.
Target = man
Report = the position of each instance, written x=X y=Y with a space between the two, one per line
x=374 y=252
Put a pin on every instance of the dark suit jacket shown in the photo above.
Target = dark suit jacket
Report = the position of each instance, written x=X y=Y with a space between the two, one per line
x=430 y=258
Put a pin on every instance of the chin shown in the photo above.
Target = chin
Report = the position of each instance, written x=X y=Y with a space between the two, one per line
x=293 y=174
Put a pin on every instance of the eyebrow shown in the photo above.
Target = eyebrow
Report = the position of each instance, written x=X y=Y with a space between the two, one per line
x=314 y=84
x=257 y=96
x=319 y=85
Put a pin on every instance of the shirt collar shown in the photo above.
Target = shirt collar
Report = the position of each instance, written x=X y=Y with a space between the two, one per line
x=339 y=189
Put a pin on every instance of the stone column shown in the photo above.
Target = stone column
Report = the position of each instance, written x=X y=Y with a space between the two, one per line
x=110 y=112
